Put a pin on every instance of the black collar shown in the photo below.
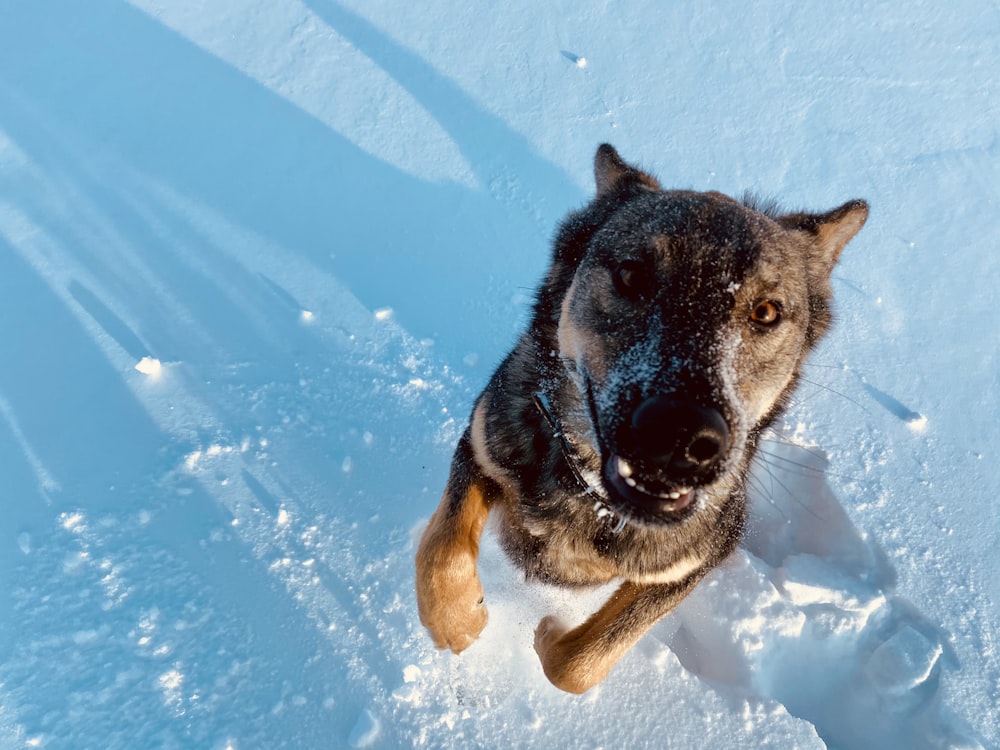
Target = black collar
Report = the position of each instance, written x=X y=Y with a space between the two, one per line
x=601 y=507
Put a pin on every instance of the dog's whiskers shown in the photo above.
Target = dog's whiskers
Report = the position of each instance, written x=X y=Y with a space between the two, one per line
x=763 y=462
x=815 y=453
x=839 y=368
x=791 y=462
x=833 y=391
x=650 y=423
x=768 y=495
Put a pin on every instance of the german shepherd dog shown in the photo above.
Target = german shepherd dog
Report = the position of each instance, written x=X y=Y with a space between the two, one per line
x=614 y=441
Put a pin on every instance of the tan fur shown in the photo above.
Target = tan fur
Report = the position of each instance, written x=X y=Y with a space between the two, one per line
x=477 y=435
x=578 y=564
x=576 y=660
x=841 y=225
x=674 y=574
x=449 y=593
x=609 y=169
x=574 y=342
x=547 y=435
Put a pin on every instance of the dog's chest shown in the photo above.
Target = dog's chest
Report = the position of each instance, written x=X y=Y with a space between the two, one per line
x=574 y=552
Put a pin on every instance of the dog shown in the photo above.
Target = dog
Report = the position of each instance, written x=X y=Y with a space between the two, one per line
x=614 y=441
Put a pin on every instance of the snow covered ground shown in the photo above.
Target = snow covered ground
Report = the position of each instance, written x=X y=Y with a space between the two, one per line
x=257 y=258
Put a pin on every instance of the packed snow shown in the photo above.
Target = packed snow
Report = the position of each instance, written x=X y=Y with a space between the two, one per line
x=256 y=260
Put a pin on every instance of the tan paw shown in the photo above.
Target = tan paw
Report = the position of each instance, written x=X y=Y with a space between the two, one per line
x=450 y=601
x=547 y=635
x=565 y=659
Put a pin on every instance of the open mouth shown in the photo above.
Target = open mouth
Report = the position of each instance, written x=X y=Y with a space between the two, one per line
x=635 y=494
x=649 y=495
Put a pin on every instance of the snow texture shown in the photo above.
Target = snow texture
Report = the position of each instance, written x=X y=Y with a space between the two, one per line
x=257 y=258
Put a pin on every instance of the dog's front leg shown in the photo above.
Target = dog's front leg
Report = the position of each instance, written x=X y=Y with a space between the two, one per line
x=449 y=594
x=576 y=660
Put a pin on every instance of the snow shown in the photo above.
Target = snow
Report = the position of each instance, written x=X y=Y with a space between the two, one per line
x=256 y=260
x=149 y=366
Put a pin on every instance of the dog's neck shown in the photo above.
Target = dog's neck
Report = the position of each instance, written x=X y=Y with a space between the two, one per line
x=590 y=488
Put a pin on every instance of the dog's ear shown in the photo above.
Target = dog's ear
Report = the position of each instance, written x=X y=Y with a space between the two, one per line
x=830 y=231
x=610 y=169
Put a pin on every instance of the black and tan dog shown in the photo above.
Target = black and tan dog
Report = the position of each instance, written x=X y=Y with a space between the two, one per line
x=614 y=441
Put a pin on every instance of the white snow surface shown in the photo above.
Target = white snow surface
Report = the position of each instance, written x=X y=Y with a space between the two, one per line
x=258 y=257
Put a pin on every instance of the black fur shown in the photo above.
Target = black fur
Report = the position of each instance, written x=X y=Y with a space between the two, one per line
x=651 y=306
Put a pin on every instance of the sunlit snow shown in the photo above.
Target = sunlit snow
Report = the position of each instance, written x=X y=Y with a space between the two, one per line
x=257 y=259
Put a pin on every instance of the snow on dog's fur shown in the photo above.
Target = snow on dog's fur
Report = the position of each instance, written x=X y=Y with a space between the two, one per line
x=613 y=442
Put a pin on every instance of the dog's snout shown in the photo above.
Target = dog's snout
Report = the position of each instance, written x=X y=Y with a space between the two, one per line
x=678 y=436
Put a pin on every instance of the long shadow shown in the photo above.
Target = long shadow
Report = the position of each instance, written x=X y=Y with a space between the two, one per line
x=482 y=138
x=99 y=443
x=64 y=392
x=112 y=104
x=132 y=90
x=115 y=111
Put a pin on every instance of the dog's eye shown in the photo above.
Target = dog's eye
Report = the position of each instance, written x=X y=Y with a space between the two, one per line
x=766 y=313
x=630 y=278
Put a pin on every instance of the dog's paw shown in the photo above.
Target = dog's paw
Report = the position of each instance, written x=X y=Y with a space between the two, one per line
x=547 y=635
x=455 y=624
x=564 y=664
x=450 y=603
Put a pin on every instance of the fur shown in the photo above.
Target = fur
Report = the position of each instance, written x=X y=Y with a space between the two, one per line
x=614 y=440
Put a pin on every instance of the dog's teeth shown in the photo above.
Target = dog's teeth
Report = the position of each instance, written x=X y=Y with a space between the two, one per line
x=631 y=482
x=675 y=496
x=624 y=468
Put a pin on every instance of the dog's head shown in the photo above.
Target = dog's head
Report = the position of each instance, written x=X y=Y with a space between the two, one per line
x=683 y=318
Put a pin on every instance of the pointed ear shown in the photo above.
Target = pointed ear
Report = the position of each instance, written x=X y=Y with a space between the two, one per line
x=832 y=230
x=610 y=170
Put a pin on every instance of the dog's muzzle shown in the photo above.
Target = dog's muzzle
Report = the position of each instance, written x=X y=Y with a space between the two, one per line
x=667 y=448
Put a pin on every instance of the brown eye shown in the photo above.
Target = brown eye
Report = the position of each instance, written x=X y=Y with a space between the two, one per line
x=766 y=313
x=630 y=278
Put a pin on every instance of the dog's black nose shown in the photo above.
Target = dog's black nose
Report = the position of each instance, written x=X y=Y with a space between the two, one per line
x=680 y=437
